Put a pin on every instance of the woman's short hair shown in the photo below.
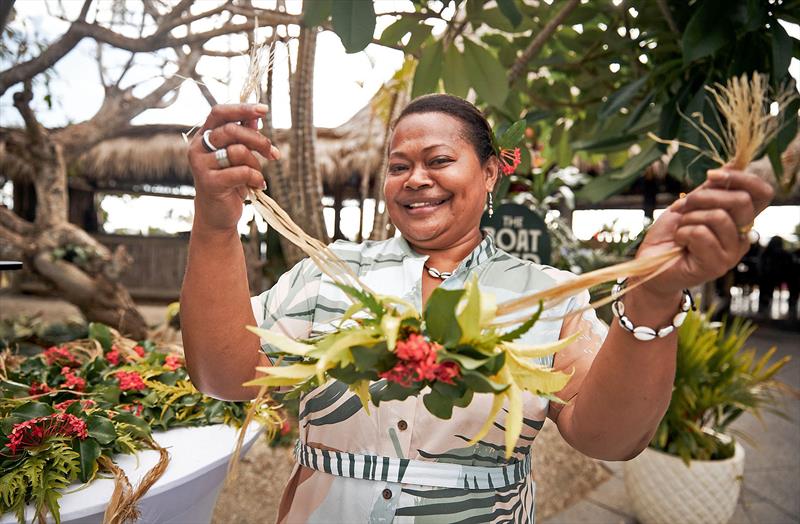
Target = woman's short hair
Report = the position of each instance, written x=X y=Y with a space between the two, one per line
x=476 y=129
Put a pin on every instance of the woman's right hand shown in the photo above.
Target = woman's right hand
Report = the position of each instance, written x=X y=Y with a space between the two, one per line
x=219 y=193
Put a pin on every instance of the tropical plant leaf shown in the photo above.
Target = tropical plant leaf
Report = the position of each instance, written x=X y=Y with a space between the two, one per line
x=485 y=73
x=316 y=12
x=354 y=22
x=426 y=76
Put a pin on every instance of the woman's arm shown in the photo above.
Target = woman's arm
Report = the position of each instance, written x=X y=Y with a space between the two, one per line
x=215 y=299
x=215 y=308
x=619 y=393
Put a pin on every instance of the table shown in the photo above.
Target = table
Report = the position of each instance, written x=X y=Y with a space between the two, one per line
x=10 y=265
x=187 y=492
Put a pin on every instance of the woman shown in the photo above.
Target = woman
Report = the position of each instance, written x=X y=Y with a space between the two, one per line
x=400 y=462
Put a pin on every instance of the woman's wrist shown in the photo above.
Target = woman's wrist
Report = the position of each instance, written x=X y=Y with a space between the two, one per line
x=655 y=309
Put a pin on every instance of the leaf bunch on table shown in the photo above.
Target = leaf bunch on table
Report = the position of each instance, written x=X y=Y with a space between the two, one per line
x=67 y=410
x=389 y=351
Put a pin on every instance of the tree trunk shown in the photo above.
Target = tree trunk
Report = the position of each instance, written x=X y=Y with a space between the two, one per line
x=80 y=269
x=304 y=186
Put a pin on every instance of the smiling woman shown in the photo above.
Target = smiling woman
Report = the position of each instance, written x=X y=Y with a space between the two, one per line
x=399 y=461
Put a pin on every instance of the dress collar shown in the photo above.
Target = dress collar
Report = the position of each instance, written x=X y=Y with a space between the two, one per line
x=482 y=252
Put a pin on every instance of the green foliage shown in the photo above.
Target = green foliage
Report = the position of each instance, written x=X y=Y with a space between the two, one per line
x=716 y=381
x=46 y=462
x=440 y=316
x=354 y=22
x=38 y=479
x=606 y=77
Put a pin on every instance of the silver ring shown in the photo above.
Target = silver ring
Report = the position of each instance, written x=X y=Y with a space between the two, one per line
x=207 y=142
x=222 y=158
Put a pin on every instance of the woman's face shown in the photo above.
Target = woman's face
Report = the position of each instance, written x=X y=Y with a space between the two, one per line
x=435 y=187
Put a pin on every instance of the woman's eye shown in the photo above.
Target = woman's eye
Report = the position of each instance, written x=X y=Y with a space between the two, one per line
x=440 y=161
x=396 y=168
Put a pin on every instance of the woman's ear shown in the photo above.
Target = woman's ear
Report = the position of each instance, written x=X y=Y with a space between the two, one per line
x=491 y=172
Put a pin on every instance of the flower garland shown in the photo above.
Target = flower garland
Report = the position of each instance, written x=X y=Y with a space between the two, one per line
x=69 y=409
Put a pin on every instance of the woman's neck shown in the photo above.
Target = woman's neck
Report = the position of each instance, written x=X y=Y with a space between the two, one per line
x=448 y=259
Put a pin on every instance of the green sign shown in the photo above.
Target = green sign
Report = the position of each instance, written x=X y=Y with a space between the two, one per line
x=519 y=231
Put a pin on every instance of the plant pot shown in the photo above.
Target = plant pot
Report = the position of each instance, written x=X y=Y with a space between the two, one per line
x=663 y=490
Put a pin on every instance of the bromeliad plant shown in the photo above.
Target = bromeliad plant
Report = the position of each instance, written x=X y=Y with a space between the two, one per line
x=66 y=411
x=716 y=381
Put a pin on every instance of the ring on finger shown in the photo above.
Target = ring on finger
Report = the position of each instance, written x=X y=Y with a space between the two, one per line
x=744 y=230
x=222 y=158
x=207 y=141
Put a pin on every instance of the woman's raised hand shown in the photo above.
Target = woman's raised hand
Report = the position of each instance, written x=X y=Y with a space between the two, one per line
x=711 y=224
x=220 y=190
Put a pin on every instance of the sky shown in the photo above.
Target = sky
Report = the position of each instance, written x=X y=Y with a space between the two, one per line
x=343 y=84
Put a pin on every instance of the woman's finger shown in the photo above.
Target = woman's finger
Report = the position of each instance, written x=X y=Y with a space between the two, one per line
x=737 y=203
x=732 y=245
x=220 y=180
x=221 y=114
x=702 y=260
x=238 y=155
x=730 y=179
x=230 y=133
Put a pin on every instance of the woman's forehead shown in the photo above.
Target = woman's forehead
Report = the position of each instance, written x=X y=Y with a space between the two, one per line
x=423 y=130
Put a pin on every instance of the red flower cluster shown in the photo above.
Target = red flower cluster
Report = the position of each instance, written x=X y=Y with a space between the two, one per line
x=173 y=362
x=85 y=404
x=509 y=160
x=34 y=431
x=416 y=361
x=113 y=356
x=135 y=408
x=73 y=381
x=130 y=380
x=139 y=350
x=60 y=355
x=38 y=388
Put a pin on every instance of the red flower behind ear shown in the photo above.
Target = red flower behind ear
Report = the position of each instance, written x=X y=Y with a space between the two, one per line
x=509 y=160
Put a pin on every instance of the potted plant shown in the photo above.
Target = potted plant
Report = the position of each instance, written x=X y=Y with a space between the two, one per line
x=692 y=470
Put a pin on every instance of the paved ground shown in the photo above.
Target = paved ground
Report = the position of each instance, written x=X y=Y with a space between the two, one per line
x=771 y=491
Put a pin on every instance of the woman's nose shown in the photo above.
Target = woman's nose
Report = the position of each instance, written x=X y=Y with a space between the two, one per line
x=418 y=178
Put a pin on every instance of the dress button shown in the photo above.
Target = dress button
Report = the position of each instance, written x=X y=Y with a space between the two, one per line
x=402 y=425
x=387 y=493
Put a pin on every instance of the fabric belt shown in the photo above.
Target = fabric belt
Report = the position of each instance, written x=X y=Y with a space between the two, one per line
x=407 y=471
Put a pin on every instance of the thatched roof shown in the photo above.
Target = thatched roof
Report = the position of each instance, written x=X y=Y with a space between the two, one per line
x=157 y=155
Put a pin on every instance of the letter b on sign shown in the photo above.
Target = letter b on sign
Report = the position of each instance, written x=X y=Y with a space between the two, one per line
x=519 y=231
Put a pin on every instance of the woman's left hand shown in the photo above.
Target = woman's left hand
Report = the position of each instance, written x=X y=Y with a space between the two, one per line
x=711 y=224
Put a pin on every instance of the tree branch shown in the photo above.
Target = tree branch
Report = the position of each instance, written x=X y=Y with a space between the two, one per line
x=80 y=29
x=538 y=42
x=84 y=10
x=664 y=8
x=14 y=222
x=22 y=100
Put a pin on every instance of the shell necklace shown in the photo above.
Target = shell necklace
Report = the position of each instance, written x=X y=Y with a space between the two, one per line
x=435 y=273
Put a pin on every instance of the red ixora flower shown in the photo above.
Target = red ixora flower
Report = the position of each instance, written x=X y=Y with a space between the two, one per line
x=509 y=159
x=60 y=355
x=73 y=381
x=416 y=361
x=113 y=356
x=136 y=408
x=173 y=362
x=139 y=350
x=34 y=431
x=130 y=380
x=85 y=403
x=38 y=388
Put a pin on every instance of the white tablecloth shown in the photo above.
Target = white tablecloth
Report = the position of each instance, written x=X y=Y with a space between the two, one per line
x=186 y=493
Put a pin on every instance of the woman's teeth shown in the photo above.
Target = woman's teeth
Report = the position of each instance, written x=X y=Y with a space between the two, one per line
x=424 y=204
